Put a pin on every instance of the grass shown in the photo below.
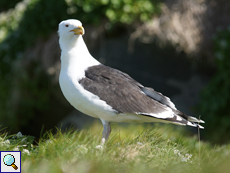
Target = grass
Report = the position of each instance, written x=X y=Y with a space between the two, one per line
x=132 y=148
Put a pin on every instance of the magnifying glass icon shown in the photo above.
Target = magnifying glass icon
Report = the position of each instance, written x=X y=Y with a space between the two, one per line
x=9 y=160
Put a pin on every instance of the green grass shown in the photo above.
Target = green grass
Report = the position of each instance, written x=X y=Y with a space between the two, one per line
x=131 y=148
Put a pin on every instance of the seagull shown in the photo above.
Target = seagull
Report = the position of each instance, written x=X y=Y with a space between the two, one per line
x=107 y=93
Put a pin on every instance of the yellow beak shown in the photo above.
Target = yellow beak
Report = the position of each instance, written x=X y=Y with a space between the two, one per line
x=78 y=31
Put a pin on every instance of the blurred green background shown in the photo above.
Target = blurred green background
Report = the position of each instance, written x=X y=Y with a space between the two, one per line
x=180 y=48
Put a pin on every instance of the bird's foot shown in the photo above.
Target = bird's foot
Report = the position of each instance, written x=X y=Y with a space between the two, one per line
x=101 y=147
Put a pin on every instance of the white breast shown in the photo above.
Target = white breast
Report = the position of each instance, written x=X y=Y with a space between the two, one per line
x=86 y=102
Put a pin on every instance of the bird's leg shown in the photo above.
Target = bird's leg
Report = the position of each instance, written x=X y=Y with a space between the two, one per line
x=106 y=132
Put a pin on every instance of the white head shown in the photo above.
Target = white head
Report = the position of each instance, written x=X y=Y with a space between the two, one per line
x=69 y=31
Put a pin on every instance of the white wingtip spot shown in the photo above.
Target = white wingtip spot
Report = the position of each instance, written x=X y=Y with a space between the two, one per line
x=193 y=119
x=178 y=118
x=191 y=124
x=201 y=121
x=195 y=125
x=201 y=127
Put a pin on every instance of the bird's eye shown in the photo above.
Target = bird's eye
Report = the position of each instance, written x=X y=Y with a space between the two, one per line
x=66 y=25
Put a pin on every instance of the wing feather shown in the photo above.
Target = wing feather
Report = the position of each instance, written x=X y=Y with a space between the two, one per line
x=120 y=91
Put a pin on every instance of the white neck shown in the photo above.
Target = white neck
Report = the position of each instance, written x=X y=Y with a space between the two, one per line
x=75 y=57
x=76 y=43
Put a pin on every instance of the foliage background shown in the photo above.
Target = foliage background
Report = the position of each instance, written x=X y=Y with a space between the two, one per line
x=216 y=96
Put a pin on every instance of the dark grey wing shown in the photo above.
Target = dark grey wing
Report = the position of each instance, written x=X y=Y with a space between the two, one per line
x=125 y=95
x=120 y=91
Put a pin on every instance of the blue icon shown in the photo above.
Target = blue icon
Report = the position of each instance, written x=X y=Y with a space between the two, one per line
x=9 y=160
